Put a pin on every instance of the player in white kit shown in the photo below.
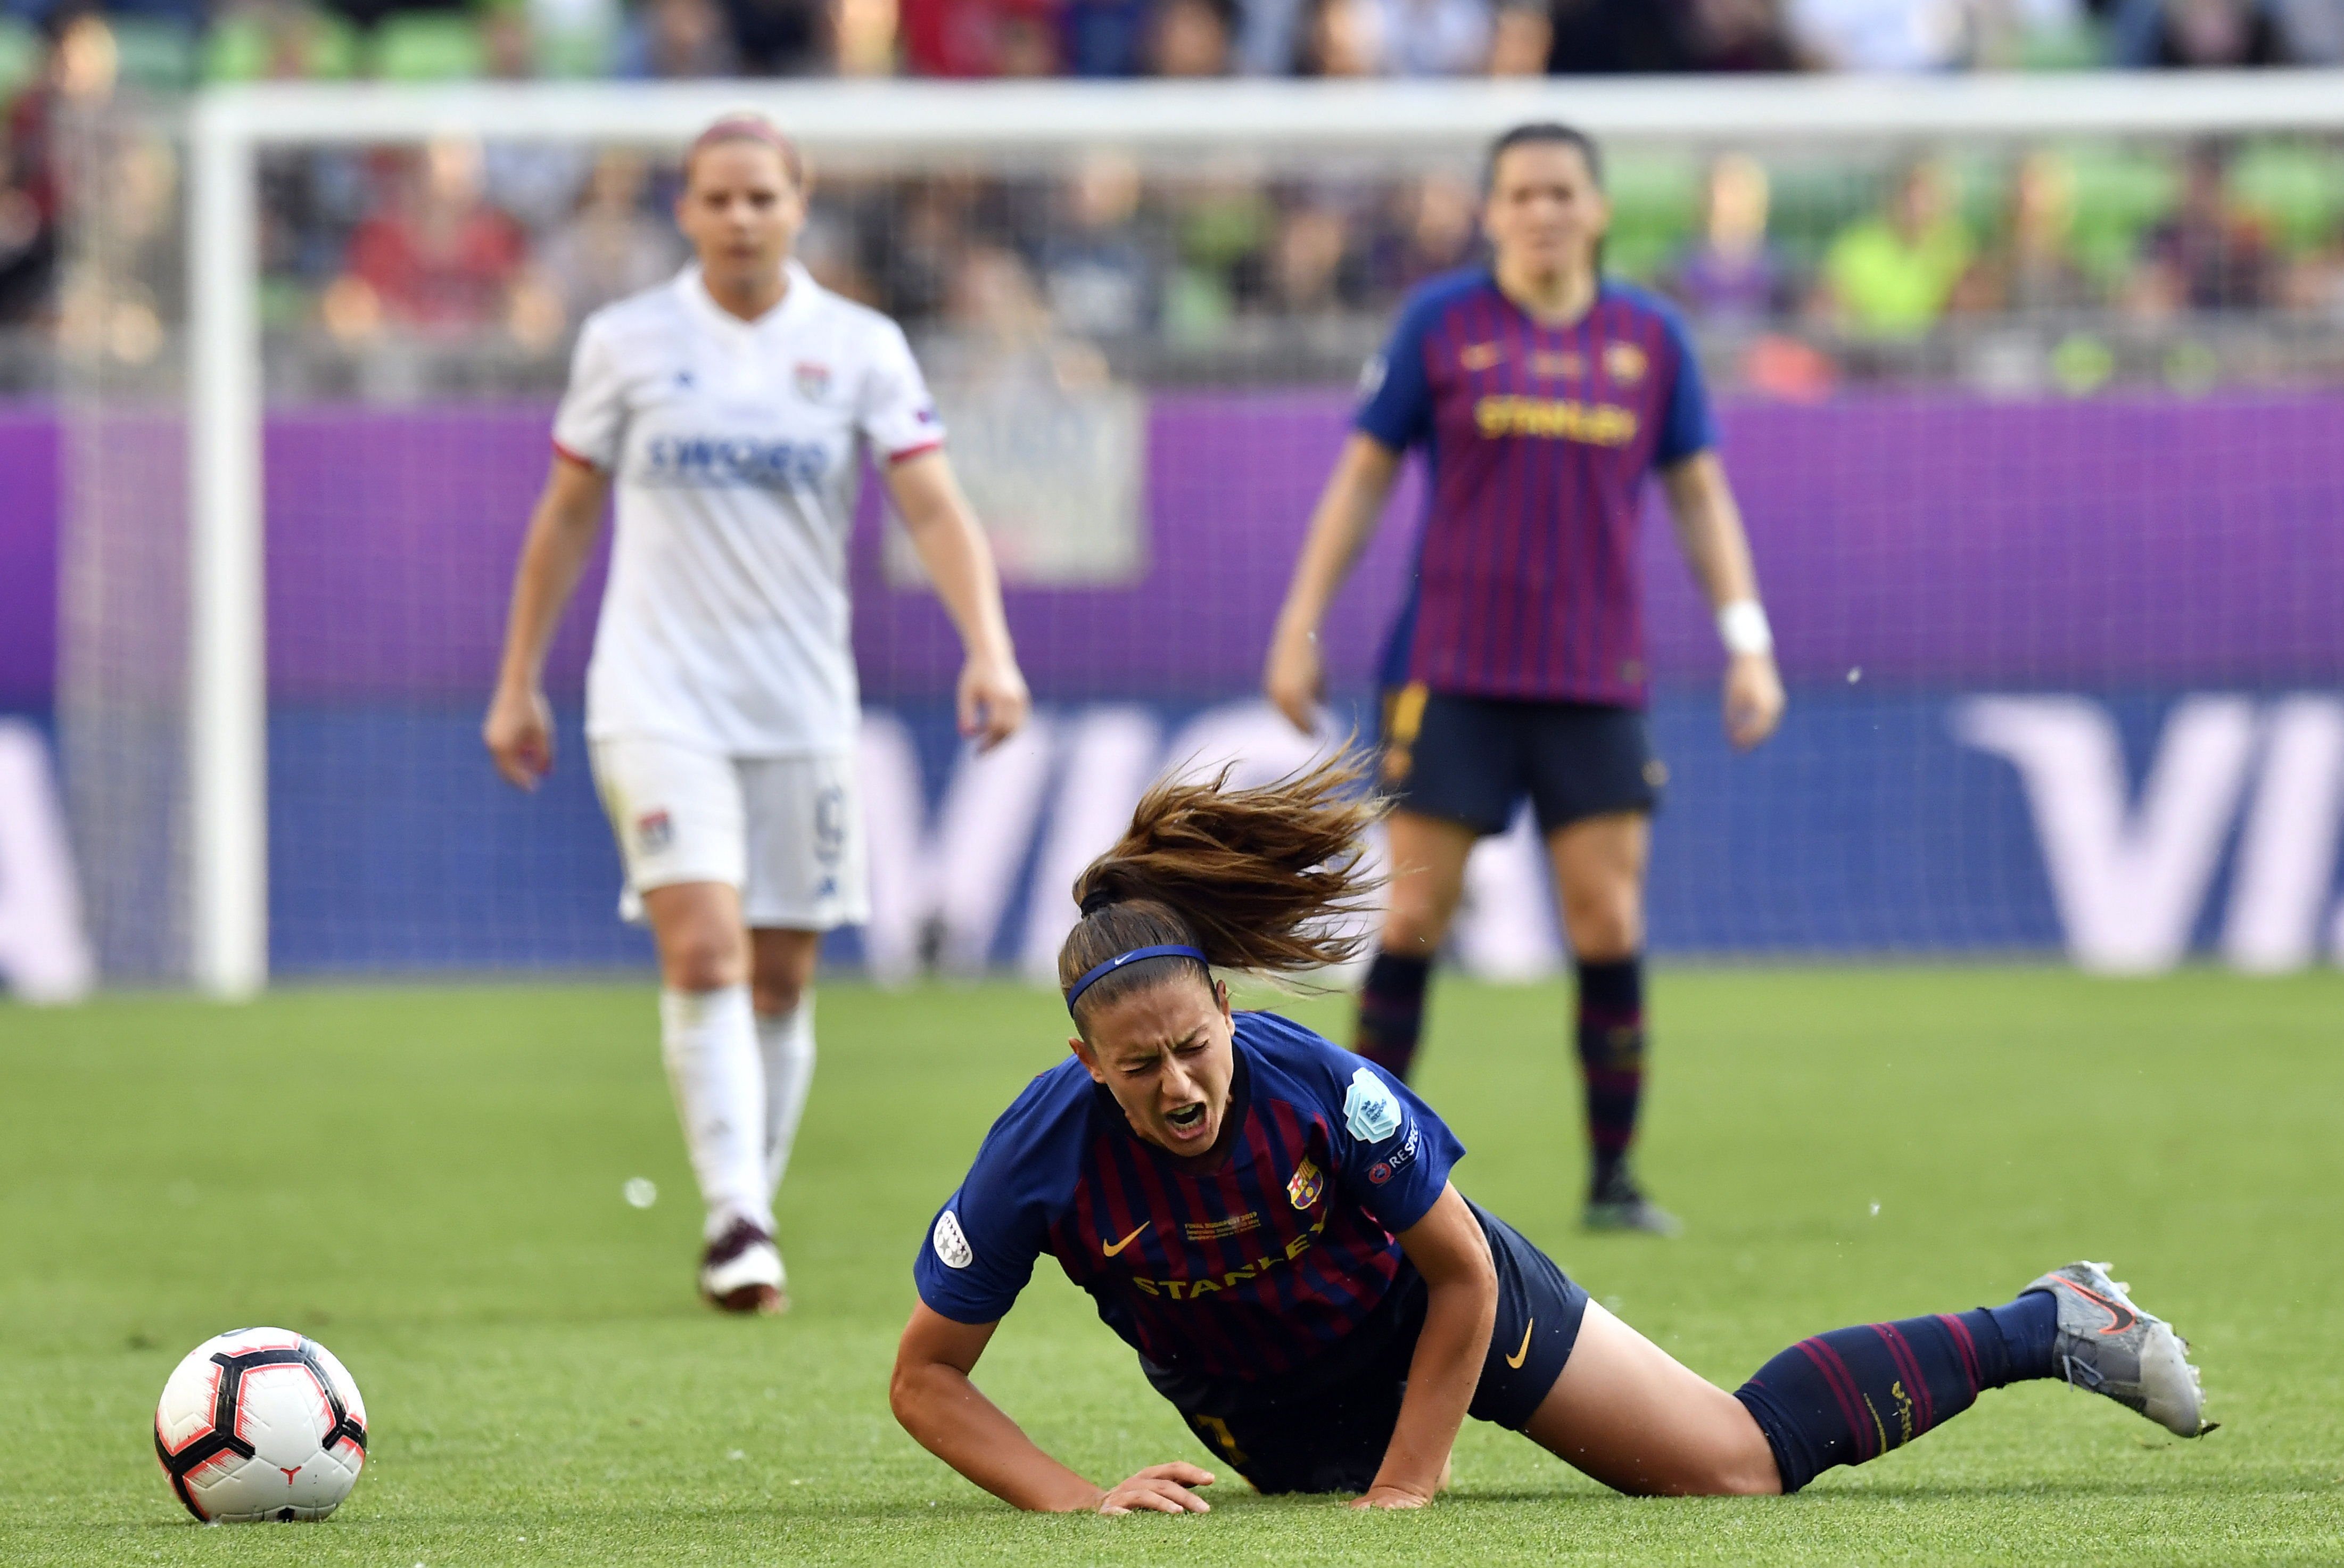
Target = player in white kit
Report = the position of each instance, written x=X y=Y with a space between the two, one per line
x=732 y=410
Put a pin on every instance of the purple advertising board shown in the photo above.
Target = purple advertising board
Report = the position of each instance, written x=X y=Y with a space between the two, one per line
x=1922 y=539
x=1929 y=541
x=1920 y=554
x=28 y=556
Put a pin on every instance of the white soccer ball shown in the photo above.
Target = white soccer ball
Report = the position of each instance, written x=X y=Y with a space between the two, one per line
x=260 y=1423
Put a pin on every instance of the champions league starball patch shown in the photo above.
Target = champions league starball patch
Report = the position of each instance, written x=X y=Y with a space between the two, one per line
x=951 y=1245
x=1371 y=1110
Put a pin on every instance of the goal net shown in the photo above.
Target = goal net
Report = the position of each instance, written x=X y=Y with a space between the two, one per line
x=2027 y=389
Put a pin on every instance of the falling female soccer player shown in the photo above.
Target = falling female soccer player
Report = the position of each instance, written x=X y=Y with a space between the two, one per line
x=1543 y=393
x=730 y=409
x=1269 y=1221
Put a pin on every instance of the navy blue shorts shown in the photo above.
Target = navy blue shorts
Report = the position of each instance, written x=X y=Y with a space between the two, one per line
x=1471 y=760
x=1325 y=1429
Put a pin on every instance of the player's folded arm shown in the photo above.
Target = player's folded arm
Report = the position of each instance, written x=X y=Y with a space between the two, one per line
x=1448 y=1245
x=932 y=1339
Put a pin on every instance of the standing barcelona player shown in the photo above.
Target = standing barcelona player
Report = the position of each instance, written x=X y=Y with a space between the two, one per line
x=1543 y=393
x=1270 y=1221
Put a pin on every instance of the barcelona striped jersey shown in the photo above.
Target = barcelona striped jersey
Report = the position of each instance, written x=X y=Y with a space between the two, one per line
x=1251 y=1269
x=1538 y=438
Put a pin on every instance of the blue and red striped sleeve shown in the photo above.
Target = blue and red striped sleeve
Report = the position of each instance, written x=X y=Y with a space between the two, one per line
x=1687 y=428
x=1396 y=393
x=980 y=1249
x=1392 y=1154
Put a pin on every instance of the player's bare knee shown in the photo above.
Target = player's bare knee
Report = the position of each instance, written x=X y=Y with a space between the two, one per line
x=1410 y=938
x=1603 y=929
x=701 y=961
x=1740 y=1463
x=1708 y=1475
x=775 y=995
x=1744 y=1475
x=1415 y=924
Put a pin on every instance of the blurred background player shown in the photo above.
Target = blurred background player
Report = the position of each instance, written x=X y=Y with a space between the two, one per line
x=1271 y=1223
x=1543 y=393
x=730 y=408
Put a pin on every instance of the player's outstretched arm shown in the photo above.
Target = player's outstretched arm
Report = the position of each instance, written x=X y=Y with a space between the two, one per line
x=519 y=730
x=1295 y=677
x=993 y=699
x=1709 y=529
x=1448 y=1248
x=932 y=1396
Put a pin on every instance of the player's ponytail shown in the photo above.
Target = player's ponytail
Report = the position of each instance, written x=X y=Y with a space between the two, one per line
x=1254 y=879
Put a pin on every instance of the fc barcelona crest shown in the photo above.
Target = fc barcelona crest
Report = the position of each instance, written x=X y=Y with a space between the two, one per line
x=1625 y=363
x=1307 y=1183
x=812 y=380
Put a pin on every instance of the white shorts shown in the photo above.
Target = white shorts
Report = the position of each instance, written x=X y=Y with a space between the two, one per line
x=787 y=831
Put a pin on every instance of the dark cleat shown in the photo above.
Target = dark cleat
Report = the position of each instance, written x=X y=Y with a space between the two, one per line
x=741 y=1273
x=1620 y=1205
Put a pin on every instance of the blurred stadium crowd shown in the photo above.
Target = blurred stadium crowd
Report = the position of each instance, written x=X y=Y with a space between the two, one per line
x=174 y=43
x=462 y=266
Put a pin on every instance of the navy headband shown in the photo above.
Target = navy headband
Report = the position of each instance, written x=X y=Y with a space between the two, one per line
x=1102 y=971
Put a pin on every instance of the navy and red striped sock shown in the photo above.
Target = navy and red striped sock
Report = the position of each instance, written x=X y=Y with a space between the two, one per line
x=1611 y=1037
x=1852 y=1394
x=1391 y=1012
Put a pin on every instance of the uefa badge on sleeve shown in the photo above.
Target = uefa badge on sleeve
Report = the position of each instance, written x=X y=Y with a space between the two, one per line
x=1383 y=1171
x=951 y=1244
x=1371 y=1110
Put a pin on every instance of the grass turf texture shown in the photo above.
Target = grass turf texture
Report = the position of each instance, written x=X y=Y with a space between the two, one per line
x=430 y=1181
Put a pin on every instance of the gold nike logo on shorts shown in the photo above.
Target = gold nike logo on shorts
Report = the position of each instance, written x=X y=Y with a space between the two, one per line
x=1519 y=1357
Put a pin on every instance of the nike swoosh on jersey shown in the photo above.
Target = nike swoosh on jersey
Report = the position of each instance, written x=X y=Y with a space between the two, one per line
x=1112 y=1248
x=1520 y=1356
x=2124 y=1316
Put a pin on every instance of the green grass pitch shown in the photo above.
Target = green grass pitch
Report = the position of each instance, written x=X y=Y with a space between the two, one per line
x=430 y=1181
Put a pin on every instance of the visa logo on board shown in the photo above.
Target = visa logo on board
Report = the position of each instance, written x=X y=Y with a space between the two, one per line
x=2131 y=875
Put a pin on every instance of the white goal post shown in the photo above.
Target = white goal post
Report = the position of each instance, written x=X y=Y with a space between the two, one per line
x=231 y=126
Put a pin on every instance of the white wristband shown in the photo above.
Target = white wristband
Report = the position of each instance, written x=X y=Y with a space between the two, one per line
x=1741 y=627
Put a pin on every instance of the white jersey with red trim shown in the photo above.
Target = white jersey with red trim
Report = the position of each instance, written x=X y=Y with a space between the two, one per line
x=735 y=449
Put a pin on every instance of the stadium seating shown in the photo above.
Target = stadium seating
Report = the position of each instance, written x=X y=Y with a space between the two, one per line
x=428 y=46
x=156 y=53
x=244 y=49
x=20 y=54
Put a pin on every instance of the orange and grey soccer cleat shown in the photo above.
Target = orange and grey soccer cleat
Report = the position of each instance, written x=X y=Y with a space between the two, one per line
x=2111 y=1347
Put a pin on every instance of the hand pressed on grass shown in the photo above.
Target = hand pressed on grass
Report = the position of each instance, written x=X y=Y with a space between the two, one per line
x=1159 y=1489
